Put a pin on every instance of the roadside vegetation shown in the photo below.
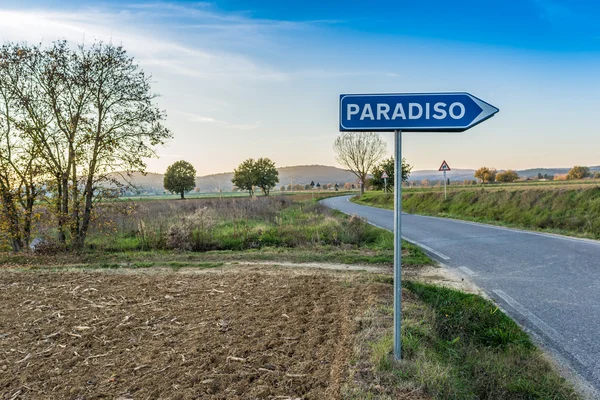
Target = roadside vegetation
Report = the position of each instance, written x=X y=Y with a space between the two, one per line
x=455 y=346
x=433 y=186
x=274 y=228
x=565 y=210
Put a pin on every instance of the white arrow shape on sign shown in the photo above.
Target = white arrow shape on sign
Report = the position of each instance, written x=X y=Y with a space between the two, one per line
x=486 y=110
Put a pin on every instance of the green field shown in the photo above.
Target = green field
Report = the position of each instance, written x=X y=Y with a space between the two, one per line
x=534 y=184
x=566 y=208
x=224 y=195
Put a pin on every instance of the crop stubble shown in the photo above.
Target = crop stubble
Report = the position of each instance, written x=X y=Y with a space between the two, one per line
x=256 y=333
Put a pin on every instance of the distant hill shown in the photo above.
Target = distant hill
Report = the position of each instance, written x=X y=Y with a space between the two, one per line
x=304 y=174
x=433 y=175
x=533 y=172
x=462 y=174
x=301 y=174
x=322 y=174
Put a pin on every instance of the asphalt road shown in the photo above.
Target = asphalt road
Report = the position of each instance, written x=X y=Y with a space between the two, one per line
x=550 y=284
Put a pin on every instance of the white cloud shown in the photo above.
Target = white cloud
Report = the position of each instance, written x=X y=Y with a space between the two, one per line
x=243 y=127
x=171 y=155
x=204 y=119
x=151 y=43
x=199 y=118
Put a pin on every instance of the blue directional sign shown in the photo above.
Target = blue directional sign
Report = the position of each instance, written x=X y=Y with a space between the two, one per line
x=413 y=112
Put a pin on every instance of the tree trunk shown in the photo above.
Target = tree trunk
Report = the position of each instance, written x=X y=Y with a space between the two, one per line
x=88 y=192
x=10 y=211
x=64 y=207
x=87 y=213
x=362 y=185
x=75 y=222
x=182 y=197
x=30 y=200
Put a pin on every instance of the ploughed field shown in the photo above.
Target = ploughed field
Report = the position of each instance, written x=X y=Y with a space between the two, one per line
x=233 y=333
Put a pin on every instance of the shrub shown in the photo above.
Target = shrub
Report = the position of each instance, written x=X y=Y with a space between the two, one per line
x=231 y=224
x=578 y=172
x=507 y=176
x=193 y=233
x=49 y=247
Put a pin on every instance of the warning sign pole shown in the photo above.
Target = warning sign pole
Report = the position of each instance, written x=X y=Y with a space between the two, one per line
x=445 y=167
x=445 y=180
x=385 y=177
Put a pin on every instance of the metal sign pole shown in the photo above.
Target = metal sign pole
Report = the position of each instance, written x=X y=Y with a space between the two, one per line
x=452 y=112
x=397 y=244
x=385 y=185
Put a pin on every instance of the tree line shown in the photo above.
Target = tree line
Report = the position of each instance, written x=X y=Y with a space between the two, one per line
x=249 y=175
x=252 y=174
x=69 y=117
x=361 y=153
x=491 y=175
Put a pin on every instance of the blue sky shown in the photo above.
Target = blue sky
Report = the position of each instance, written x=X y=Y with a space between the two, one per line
x=251 y=79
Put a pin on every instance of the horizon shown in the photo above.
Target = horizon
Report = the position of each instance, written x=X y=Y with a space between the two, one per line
x=245 y=80
x=413 y=171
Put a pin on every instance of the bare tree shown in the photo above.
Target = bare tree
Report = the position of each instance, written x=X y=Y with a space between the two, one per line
x=21 y=171
x=359 y=152
x=123 y=125
x=30 y=81
x=89 y=112
x=10 y=221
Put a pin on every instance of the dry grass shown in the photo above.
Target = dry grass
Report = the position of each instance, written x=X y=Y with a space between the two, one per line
x=559 y=209
x=455 y=346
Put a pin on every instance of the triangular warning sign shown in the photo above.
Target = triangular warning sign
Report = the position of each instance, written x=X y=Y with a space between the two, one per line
x=444 y=167
x=384 y=175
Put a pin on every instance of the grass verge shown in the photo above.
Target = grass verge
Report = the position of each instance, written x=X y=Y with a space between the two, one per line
x=574 y=212
x=94 y=259
x=455 y=346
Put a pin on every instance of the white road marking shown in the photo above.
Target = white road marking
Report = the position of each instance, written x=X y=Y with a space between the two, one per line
x=544 y=327
x=427 y=248
x=513 y=230
x=468 y=271
x=421 y=245
x=377 y=226
x=501 y=228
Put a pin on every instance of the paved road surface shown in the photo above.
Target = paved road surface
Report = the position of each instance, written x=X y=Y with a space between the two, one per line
x=550 y=284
